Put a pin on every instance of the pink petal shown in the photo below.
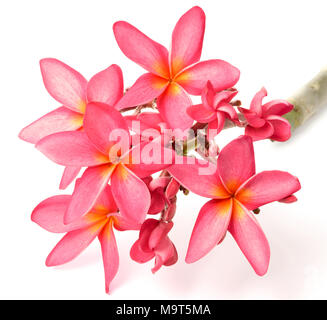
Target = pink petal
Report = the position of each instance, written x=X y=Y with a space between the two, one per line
x=250 y=238
x=228 y=110
x=221 y=74
x=159 y=233
x=256 y=103
x=160 y=182
x=101 y=123
x=172 y=189
x=49 y=214
x=122 y=223
x=266 y=187
x=64 y=84
x=71 y=148
x=87 y=190
x=150 y=158
x=106 y=86
x=173 y=256
x=201 y=114
x=69 y=175
x=131 y=194
x=187 y=39
x=236 y=162
x=165 y=254
x=264 y=132
x=208 y=96
x=173 y=104
x=210 y=227
x=276 y=107
x=158 y=202
x=282 y=128
x=252 y=118
x=216 y=125
x=147 y=120
x=139 y=255
x=189 y=175
x=61 y=119
x=110 y=254
x=224 y=96
x=72 y=244
x=290 y=199
x=145 y=89
x=149 y=54
x=105 y=202
x=147 y=227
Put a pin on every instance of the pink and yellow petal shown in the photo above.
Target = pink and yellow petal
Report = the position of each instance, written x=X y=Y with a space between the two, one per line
x=250 y=238
x=64 y=84
x=144 y=90
x=149 y=54
x=73 y=243
x=220 y=73
x=187 y=39
x=130 y=193
x=210 y=227
x=266 y=187
x=236 y=162
x=173 y=105
x=106 y=86
x=105 y=126
x=199 y=177
x=58 y=120
x=110 y=254
x=84 y=198
x=71 y=148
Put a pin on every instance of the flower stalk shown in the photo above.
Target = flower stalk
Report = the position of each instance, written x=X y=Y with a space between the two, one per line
x=308 y=100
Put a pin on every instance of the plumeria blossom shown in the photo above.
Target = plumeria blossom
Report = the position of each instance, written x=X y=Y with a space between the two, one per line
x=215 y=108
x=171 y=75
x=154 y=242
x=74 y=92
x=235 y=190
x=99 y=222
x=266 y=121
x=97 y=149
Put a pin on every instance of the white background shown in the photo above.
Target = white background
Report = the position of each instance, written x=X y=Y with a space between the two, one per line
x=278 y=44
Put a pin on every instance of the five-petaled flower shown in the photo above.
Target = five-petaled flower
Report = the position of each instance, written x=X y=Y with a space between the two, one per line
x=154 y=242
x=96 y=148
x=265 y=121
x=70 y=88
x=172 y=75
x=235 y=190
x=99 y=222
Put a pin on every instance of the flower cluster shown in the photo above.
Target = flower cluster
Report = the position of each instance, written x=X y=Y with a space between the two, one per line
x=121 y=138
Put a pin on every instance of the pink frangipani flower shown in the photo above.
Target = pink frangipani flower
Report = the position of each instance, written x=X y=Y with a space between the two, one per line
x=74 y=92
x=153 y=242
x=235 y=190
x=95 y=149
x=172 y=74
x=215 y=108
x=266 y=121
x=99 y=222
